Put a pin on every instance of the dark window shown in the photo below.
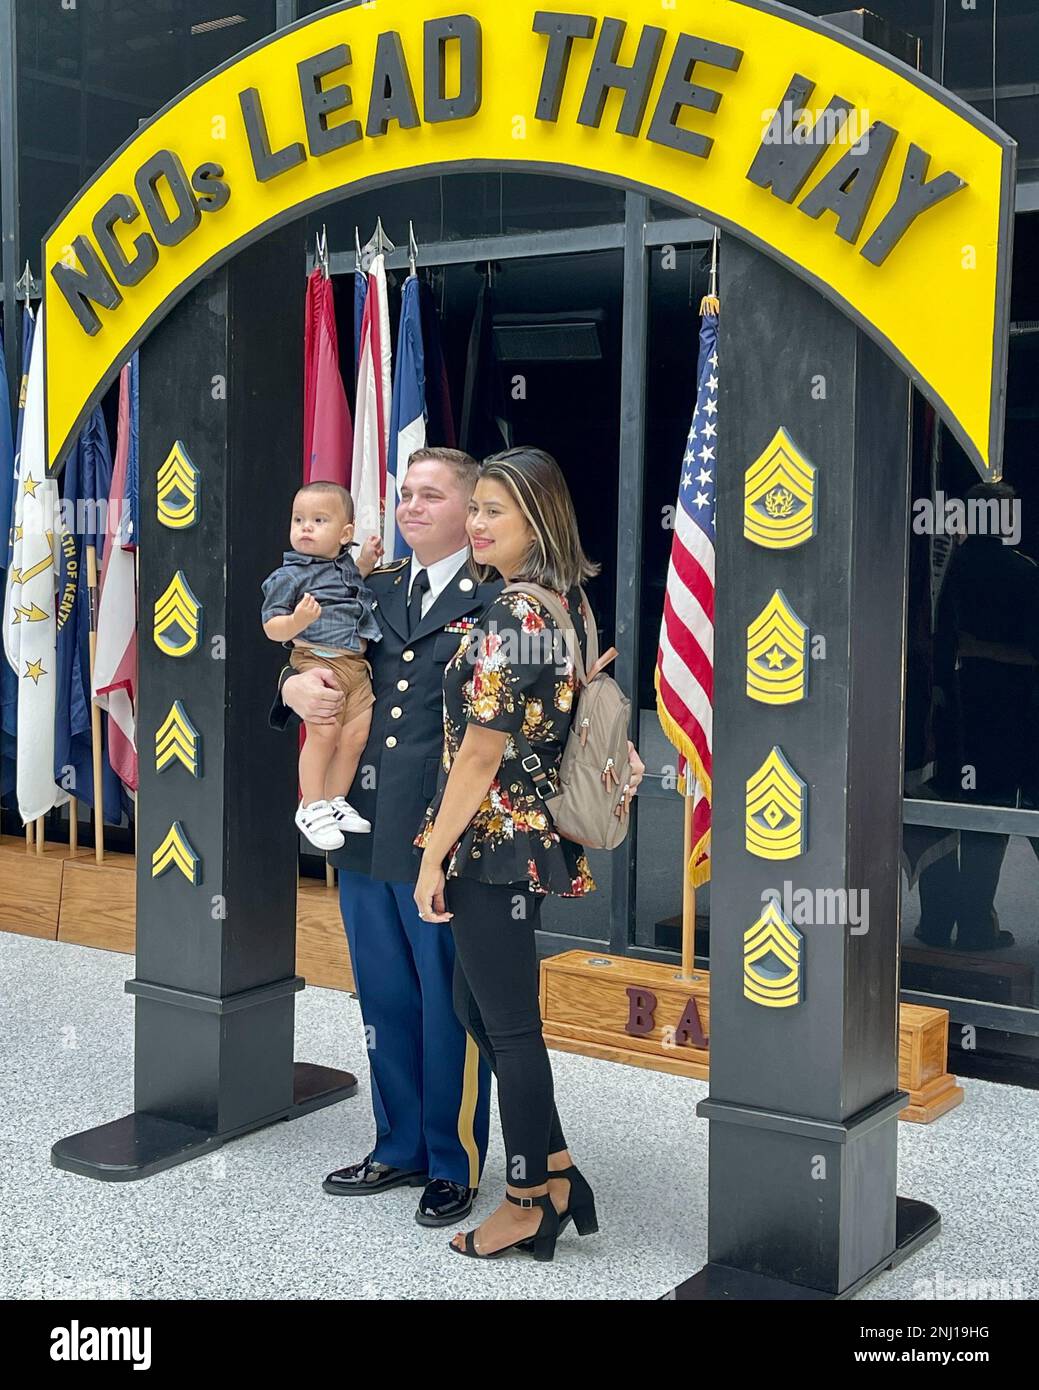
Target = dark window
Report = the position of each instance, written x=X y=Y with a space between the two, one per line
x=87 y=77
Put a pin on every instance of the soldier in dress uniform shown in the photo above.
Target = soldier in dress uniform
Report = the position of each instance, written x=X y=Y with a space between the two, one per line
x=430 y=1087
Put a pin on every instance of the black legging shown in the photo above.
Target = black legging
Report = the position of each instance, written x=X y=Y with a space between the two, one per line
x=496 y=998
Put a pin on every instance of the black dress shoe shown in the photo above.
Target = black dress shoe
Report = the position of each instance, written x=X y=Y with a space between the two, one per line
x=443 y=1203
x=368 y=1177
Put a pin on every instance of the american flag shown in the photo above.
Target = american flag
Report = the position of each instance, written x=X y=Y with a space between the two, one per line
x=685 y=662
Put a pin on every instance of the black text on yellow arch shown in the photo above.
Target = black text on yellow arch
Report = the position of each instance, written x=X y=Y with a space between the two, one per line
x=107 y=266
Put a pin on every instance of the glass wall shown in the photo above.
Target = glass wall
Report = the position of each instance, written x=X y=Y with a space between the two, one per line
x=986 y=50
x=90 y=73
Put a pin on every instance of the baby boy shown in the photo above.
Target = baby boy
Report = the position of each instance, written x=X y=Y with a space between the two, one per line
x=319 y=604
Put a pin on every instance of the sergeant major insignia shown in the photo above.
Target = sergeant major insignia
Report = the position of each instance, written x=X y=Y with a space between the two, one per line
x=777 y=810
x=779 y=509
x=178 y=497
x=777 y=654
x=773 y=961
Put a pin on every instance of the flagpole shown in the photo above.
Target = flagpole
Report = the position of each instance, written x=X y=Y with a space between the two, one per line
x=96 y=740
x=73 y=825
x=710 y=305
x=688 y=891
x=39 y=834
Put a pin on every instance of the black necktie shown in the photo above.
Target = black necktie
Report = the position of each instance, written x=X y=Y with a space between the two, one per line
x=418 y=591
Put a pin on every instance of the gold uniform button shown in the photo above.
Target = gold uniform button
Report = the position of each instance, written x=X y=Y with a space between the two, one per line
x=409 y=656
x=391 y=742
x=403 y=685
x=396 y=712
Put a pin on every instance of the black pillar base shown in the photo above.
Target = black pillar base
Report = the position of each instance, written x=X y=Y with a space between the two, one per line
x=139 y=1145
x=915 y=1224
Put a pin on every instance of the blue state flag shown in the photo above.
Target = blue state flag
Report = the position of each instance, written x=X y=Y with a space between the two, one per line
x=408 y=412
x=87 y=482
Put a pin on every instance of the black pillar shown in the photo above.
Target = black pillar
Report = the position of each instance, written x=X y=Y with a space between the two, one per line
x=812 y=558
x=221 y=395
x=804 y=1045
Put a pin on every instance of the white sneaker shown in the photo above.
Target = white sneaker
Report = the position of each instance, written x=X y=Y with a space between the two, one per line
x=320 y=825
x=350 y=822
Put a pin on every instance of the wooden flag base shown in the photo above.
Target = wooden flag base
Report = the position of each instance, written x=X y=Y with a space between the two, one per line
x=646 y=1015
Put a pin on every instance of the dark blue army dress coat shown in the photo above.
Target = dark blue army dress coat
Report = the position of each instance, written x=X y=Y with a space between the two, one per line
x=397 y=778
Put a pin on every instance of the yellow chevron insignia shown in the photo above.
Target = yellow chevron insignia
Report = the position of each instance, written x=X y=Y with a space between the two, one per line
x=178 y=741
x=777 y=654
x=779 y=510
x=175 y=852
x=777 y=810
x=178 y=618
x=179 y=490
x=773 y=959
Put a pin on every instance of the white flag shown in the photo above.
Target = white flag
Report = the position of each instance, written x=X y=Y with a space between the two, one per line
x=30 y=621
x=374 y=404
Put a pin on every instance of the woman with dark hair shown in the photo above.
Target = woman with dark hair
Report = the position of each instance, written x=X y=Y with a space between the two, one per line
x=491 y=853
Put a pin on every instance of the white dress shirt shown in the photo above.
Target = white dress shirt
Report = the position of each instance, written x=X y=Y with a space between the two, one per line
x=441 y=572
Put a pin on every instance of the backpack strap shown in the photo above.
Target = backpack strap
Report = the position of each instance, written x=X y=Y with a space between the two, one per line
x=585 y=665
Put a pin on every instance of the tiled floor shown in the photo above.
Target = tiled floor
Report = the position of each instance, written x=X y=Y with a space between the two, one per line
x=251 y=1221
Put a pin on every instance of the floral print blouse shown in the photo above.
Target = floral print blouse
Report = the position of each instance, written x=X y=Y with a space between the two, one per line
x=513 y=673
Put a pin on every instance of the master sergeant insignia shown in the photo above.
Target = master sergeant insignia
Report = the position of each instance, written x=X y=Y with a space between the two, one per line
x=773 y=961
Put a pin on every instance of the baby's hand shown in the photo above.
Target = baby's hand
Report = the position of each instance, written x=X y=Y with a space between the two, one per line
x=307 y=611
x=371 y=553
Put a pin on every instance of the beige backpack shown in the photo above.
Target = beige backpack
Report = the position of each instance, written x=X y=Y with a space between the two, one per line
x=595 y=768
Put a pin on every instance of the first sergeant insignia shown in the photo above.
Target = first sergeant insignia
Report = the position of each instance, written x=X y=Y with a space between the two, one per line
x=779 y=509
x=178 y=497
x=773 y=961
x=777 y=804
x=777 y=654
x=178 y=618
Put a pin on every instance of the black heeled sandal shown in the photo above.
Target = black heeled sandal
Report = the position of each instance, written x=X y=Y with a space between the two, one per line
x=581 y=1206
x=542 y=1246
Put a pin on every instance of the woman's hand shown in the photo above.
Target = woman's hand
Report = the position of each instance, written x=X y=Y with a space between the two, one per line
x=429 y=891
x=638 y=771
x=314 y=696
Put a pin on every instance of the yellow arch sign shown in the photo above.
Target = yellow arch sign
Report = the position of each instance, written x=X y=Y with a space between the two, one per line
x=885 y=192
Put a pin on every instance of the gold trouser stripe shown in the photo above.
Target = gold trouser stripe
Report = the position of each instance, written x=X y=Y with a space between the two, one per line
x=467 y=1109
